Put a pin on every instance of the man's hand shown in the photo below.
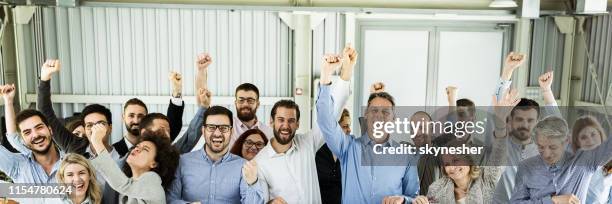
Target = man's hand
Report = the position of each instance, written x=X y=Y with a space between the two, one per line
x=377 y=87
x=349 y=59
x=393 y=200
x=98 y=132
x=249 y=172
x=420 y=200
x=565 y=199
x=513 y=61
x=502 y=109
x=545 y=80
x=277 y=200
x=451 y=94
x=8 y=93
x=177 y=84
x=203 y=61
x=204 y=96
x=48 y=68
x=330 y=63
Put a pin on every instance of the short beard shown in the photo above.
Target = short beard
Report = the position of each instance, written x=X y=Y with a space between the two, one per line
x=132 y=131
x=44 y=151
x=280 y=140
x=246 y=116
x=517 y=133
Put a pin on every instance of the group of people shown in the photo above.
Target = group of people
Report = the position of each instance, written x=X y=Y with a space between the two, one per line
x=531 y=155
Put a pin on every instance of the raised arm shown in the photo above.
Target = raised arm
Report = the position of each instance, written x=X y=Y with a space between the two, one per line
x=511 y=63
x=176 y=106
x=8 y=94
x=201 y=82
x=336 y=140
x=62 y=136
x=550 y=104
x=194 y=132
x=501 y=108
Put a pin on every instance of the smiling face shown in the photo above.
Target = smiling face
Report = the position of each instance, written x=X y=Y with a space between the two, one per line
x=252 y=145
x=36 y=135
x=217 y=133
x=455 y=167
x=379 y=110
x=132 y=115
x=78 y=176
x=589 y=138
x=142 y=156
x=246 y=103
x=285 y=124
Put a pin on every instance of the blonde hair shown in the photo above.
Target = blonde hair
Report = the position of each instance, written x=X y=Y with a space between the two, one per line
x=583 y=122
x=93 y=191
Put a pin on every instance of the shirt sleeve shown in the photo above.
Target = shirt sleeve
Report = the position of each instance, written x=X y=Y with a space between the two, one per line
x=336 y=140
x=521 y=194
x=175 y=116
x=17 y=143
x=193 y=133
x=9 y=162
x=410 y=183
x=173 y=195
x=251 y=193
x=62 y=136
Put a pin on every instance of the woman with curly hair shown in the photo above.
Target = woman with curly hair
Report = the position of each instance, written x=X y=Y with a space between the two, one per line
x=587 y=134
x=78 y=173
x=150 y=168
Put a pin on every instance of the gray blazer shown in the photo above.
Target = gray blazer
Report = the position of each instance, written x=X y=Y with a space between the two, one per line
x=145 y=189
x=482 y=188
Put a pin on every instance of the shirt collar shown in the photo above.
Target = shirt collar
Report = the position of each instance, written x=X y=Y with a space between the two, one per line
x=225 y=157
x=241 y=124
x=67 y=199
x=272 y=153
x=557 y=165
x=128 y=144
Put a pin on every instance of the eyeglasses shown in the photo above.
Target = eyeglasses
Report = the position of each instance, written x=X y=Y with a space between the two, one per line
x=250 y=143
x=213 y=128
x=250 y=101
x=90 y=125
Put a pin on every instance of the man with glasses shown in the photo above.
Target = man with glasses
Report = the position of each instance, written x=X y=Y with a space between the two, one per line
x=212 y=174
x=247 y=102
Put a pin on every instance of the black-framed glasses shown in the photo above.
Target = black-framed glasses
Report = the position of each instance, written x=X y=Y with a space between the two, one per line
x=249 y=143
x=221 y=128
x=90 y=125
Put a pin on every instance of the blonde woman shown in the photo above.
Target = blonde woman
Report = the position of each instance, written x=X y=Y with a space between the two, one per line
x=587 y=134
x=464 y=181
x=77 y=172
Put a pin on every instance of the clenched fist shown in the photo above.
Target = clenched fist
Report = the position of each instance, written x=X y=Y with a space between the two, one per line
x=48 y=68
x=203 y=61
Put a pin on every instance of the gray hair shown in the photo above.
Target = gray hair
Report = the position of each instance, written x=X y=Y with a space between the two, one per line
x=553 y=127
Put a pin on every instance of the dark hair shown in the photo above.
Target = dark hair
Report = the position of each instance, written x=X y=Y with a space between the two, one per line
x=167 y=157
x=237 y=148
x=247 y=87
x=464 y=102
x=149 y=118
x=345 y=114
x=28 y=113
x=383 y=95
x=218 y=110
x=286 y=104
x=526 y=104
x=135 y=101
x=97 y=108
x=73 y=123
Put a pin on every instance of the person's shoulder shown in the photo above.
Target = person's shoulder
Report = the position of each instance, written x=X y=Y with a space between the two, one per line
x=150 y=177
x=189 y=156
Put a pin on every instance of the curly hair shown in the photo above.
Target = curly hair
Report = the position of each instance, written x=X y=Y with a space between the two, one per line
x=167 y=156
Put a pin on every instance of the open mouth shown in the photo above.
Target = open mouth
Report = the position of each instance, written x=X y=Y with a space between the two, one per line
x=79 y=187
x=217 y=140
x=38 y=140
